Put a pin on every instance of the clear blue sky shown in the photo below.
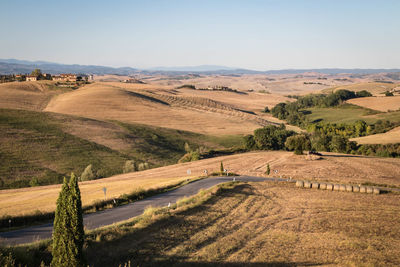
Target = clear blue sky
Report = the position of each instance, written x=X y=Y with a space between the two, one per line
x=269 y=34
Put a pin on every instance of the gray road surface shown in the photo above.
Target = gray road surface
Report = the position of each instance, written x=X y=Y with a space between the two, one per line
x=114 y=215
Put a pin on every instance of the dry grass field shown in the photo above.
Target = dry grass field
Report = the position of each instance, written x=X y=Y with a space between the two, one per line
x=375 y=88
x=260 y=224
x=382 y=103
x=333 y=167
x=281 y=84
x=390 y=137
x=27 y=95
x=139 y=104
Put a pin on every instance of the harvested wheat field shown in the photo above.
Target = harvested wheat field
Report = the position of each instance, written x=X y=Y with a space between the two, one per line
x=27 y=95
x=111 y=102
x=272 y=83
x=260 y=224
x=390 y=137
x=332 y=167
x=375 y=88
x=382 y=103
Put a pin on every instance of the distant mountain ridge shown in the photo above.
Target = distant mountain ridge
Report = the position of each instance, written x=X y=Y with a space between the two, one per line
x=13 y=66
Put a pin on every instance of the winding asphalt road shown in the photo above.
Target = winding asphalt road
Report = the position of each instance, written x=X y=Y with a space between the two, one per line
x=118 y=214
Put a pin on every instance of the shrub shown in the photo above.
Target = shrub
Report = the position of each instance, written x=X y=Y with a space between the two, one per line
x=363 y=93
x=268 y=171
x=387 y=93
x=88 y=174
x=7 y=260
x=129 y=166
x=143 y=166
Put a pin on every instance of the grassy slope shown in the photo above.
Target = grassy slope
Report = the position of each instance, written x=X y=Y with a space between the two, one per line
x=258 y=224
x=36 y=144
x=348 y=113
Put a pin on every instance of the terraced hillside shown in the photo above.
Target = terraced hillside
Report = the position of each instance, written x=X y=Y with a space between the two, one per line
x=124 y=103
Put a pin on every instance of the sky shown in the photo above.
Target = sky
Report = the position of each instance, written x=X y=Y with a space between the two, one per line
x=252 y=34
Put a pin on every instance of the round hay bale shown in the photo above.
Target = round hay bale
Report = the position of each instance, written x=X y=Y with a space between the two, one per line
x=363 y=189
x=377 y=191
x=299 y=183
x=349 y=188
x=356 y=188
x=336 y=187
x=329 y=187
x=322 y=186
x=315 y=185
x=307 y=184
x=342 y=188
x=370 y=190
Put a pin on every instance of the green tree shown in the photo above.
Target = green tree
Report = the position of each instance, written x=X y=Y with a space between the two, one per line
x=249 y=142
x=298 y=143
x=221 y=168
x=68 y=232
x=36 y=72
x=88 y=173
x=268 y=170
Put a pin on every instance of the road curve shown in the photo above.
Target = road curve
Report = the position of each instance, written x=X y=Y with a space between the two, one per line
x=125 y=212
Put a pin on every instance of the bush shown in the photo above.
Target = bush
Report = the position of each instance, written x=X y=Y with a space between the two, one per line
x=7 y=260
x=129 y=166
x=387 y=93
x=363 y=93
x=143 y=166
x=88 y=173
x=298 y=143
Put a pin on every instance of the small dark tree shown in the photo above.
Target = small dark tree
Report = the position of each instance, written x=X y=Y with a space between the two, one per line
x=221 y=168
x=268 y=169
x=68 y=233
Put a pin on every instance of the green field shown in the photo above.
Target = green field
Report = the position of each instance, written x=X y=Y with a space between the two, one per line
x=36 y=148
x=349 y=114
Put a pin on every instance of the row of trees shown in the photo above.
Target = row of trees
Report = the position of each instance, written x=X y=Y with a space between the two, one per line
x=321 y=139
x=294 y=114
x=89 y=172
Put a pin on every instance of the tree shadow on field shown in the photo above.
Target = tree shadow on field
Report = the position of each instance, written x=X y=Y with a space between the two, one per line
x=226 y=264
x=148 y=246
x=345 y=156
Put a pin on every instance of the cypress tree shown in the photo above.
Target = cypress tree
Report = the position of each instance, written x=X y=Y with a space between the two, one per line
x=68 y=233
x=59 y=250
x=268 y=170
x=76 y=220
x=222 y=168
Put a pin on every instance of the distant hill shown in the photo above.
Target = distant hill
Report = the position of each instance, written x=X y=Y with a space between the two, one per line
x=11 y=66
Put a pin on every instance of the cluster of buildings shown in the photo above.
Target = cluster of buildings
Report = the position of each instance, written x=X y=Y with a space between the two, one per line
x=64 y=77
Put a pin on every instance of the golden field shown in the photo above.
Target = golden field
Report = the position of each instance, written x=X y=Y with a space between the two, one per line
x=333 y=167
x=390 y=137
x=260 y=224
x=382 y=103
